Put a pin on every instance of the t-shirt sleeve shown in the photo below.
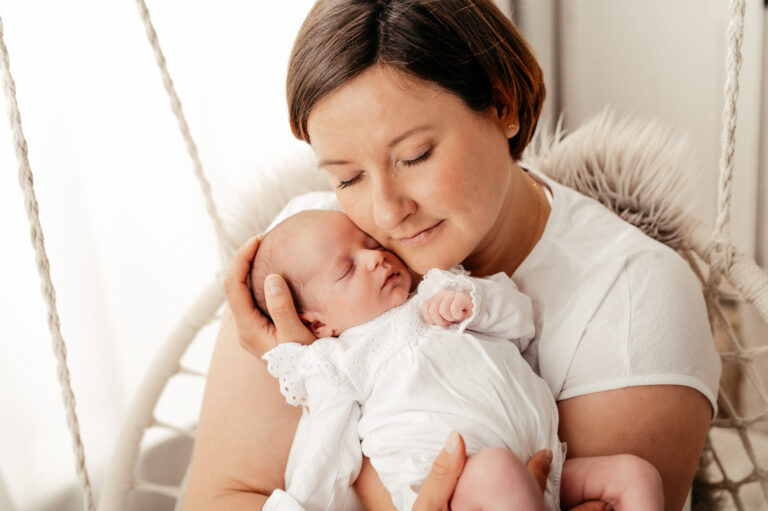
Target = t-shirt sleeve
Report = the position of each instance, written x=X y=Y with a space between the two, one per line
x=650 y=329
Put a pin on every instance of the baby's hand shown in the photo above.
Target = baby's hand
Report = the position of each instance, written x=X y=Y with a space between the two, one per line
x=447 y=307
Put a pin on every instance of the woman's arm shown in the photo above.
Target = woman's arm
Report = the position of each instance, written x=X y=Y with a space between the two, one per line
x=663 y=424
x=244 y=433
x=246 y=428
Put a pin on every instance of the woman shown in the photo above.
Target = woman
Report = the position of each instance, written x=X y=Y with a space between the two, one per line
x=418 y=112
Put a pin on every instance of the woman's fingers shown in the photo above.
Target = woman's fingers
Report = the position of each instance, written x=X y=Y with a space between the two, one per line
x=283 y=312
x=236 y=280
x=438 y=487
x=593 y=505
x=539 y=466
x=254 y=329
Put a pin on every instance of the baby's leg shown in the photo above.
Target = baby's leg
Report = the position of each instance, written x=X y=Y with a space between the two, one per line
x=496 y=480
x=627 y=482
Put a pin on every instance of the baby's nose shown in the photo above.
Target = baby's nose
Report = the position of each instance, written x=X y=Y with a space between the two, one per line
x=375 y=258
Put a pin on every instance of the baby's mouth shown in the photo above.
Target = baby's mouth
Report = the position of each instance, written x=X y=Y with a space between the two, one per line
x=390 y=278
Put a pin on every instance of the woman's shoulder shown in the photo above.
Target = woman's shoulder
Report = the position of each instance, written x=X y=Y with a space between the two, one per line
x=583 y=232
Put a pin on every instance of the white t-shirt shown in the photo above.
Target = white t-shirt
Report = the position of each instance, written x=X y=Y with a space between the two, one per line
x=394 y=388
x=613 y=307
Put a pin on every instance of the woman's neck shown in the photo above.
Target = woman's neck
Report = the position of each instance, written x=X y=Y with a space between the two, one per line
x=517 y=229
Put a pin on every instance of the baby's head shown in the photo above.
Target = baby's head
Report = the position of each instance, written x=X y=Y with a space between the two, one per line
x=339 y=276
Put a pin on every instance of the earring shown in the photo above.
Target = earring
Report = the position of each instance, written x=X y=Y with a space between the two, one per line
x=511 y=125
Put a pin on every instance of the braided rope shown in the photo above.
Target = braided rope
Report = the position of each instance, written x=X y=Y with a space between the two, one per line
x=226 y=244
x=722 y=257
x=43 y=269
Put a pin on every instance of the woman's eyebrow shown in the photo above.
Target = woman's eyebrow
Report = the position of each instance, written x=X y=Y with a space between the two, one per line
x=394 y=142
x=407 y=134
x=325 y=163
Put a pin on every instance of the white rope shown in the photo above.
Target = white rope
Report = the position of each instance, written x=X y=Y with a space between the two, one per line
x=43 y=268
x=225 y=241
x=722 y=256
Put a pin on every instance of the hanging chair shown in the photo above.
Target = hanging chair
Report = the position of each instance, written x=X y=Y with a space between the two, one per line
x=635 y=168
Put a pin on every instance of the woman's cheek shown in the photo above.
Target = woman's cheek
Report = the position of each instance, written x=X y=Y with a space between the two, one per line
x=359 y=208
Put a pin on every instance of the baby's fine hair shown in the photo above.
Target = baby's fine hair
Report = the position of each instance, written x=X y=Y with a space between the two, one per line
x=270 y=258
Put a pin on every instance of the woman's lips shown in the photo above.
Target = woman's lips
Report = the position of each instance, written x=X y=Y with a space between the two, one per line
x=421 y=236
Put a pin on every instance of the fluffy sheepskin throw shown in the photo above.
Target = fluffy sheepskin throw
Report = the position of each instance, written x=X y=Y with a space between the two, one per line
x=635 y=168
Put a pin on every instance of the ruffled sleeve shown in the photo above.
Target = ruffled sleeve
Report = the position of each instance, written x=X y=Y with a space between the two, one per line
x=500 y=309
x=293 y=363
x=435 y=280
x=330 y=462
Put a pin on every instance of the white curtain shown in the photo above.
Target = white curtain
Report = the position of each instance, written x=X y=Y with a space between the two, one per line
x=127 y=234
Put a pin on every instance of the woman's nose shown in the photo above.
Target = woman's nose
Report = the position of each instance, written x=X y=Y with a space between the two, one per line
x=390 y=206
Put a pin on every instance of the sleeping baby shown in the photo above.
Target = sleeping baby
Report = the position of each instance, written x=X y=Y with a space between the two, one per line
x=393 y=373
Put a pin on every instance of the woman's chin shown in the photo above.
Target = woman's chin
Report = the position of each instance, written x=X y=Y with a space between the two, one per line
x=422 y=265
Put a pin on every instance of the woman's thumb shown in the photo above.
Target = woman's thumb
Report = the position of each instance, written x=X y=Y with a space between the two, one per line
x=443 y=476
x=283 y=312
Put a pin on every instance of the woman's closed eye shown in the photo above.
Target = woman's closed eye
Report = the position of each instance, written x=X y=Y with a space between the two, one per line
x=415 y=161
x=345 y=183
x=348 y=182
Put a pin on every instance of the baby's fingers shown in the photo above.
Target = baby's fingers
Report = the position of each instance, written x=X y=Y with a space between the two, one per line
x=461 y=307
x=430 y=312
x=446 y=299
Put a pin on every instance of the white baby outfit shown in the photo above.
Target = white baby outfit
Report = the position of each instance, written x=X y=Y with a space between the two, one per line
x=395 y=387
x=613 y=307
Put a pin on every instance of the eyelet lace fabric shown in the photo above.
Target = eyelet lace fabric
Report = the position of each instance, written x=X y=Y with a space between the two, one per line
x=291 y=363
x=354 y=358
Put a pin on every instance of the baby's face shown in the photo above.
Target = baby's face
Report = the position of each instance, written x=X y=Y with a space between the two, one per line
x=348 y=277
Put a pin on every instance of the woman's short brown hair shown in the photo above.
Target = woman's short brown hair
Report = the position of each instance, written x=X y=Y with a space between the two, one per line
x=468 y=47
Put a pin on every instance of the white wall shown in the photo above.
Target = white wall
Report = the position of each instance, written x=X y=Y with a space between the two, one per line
x=661 y=59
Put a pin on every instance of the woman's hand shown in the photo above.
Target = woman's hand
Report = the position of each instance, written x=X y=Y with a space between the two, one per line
x=256 y=332
x=435 y=494
x=441 y=481
x=539 y=466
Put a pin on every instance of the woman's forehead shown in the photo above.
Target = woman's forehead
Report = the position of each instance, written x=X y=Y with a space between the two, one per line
x=379 y=102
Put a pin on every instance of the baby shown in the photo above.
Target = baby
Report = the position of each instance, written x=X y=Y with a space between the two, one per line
x=393 y=374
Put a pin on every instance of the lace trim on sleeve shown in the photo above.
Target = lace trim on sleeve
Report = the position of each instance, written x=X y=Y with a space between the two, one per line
x=457 y=279
x=436 y=279
x=292 y=363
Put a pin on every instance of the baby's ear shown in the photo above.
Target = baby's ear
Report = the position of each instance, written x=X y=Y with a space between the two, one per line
x=314 y=322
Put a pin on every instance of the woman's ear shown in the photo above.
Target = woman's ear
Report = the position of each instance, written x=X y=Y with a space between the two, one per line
x=510 y=123
x=506 y=117
x=511 y=126
x=315 y=323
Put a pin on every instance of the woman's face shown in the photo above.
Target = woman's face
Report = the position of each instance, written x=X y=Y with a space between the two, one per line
x=413 y=166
